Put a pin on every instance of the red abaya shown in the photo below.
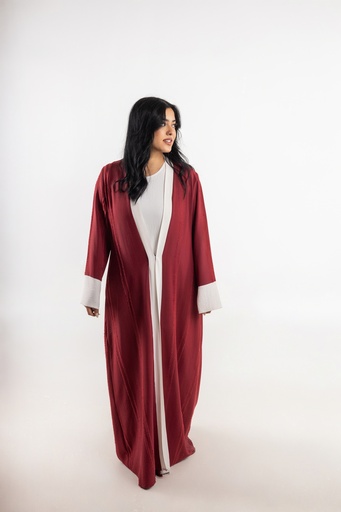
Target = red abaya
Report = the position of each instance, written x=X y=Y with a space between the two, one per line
x=182 y=263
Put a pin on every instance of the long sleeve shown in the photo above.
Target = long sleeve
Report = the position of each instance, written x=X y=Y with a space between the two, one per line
x=208 y=297
x=98 y=247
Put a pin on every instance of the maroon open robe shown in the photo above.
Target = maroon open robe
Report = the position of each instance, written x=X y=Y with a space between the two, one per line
x=186 y=264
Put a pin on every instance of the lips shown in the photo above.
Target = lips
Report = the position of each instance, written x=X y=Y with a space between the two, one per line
x=168 y=141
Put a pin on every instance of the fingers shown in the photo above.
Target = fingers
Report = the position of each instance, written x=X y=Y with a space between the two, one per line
x=92 y=311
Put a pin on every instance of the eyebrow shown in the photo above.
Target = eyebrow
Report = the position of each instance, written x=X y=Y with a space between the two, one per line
x=165 y=119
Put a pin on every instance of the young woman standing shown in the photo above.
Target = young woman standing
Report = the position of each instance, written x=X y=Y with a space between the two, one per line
x=149 y=217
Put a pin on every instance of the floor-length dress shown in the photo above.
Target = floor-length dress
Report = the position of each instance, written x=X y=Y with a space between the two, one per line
x=153 y=320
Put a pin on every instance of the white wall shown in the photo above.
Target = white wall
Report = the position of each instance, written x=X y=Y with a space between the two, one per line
x=258 y=85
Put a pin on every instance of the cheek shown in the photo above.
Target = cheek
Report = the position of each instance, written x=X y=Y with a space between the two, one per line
x=160 y=137
x=157 y=140
x=157 y=136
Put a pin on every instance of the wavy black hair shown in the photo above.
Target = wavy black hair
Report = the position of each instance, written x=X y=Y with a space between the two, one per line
x=146 y=116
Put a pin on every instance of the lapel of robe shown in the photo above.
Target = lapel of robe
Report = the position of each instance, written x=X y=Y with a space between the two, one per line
x=155 y=281
x=166 y=218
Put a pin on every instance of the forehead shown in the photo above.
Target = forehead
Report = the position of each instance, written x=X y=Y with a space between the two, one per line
x=169 y=114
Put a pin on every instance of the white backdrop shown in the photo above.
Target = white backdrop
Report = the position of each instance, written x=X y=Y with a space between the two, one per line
x=258 y=86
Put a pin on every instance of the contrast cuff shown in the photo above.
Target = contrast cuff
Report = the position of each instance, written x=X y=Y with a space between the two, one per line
x=91 y=292
x=208 y=298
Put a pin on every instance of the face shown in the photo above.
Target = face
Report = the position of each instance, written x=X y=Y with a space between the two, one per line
x=165 y=136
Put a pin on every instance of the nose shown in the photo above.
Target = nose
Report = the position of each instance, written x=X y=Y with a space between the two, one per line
x=170 y=130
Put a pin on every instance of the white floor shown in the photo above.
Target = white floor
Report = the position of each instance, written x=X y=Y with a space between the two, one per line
x=266 y=429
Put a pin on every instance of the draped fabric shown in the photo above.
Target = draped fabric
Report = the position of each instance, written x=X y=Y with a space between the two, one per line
x=153 y=330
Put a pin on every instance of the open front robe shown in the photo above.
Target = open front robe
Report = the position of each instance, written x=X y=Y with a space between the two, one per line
x=150 y=427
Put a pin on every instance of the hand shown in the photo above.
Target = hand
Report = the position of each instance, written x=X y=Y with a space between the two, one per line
x=92 y=311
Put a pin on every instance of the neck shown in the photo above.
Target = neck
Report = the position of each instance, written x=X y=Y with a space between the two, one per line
x=154 y=164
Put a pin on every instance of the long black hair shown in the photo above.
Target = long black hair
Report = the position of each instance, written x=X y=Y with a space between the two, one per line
x=146 y=116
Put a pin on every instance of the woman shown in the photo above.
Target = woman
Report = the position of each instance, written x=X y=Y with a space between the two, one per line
x=149 y=216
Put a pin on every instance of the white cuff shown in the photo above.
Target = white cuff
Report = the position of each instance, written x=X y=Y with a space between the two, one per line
x=208 y=298
x=91 y=292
